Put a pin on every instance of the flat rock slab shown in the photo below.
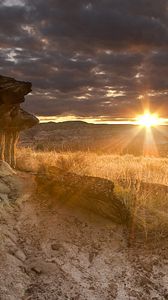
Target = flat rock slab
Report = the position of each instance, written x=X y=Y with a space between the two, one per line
x=92 y=193
x=154 y=189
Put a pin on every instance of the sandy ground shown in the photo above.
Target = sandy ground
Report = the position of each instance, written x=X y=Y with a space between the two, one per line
x=51 y=252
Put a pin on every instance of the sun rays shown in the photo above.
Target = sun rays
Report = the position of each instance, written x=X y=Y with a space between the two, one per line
x=149 y=122
x=140 y=137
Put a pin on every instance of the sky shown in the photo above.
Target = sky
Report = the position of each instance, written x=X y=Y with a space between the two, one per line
x=98 y=60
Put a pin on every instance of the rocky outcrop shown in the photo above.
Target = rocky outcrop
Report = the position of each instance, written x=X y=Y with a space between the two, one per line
x=13 y=118
x=91 y=193
x=9 y=183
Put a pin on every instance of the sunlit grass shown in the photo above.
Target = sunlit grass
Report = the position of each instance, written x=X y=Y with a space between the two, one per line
x=113 y=167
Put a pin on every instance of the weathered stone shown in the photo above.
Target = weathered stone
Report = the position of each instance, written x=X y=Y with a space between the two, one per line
x=37 y=269
x=4 y=189
x=4 y=198
x=92 y=193
x=10 y=183
x=20 y=255
x=5 y=169
x=13 y=119
x=55 y=247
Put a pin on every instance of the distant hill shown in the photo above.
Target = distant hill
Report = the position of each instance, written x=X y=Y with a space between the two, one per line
x=108 y=138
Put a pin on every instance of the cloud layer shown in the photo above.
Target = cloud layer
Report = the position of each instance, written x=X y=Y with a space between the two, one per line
x=99 y=59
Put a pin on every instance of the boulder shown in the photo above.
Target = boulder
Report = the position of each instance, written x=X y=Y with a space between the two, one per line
x=92 y=193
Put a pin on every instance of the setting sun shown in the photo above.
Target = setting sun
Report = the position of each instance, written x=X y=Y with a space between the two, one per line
x=148 y=120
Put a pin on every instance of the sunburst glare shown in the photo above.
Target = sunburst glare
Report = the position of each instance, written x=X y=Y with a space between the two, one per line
x=148 y=119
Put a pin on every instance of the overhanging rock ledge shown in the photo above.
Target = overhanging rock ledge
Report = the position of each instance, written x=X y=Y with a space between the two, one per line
x=13 y=119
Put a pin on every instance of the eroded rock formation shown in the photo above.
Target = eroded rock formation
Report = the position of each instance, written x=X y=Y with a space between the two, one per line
x=91 y=193
x=9 y=183
x=13 y=118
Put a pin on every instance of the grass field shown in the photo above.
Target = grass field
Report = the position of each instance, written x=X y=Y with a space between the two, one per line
x=113 y=167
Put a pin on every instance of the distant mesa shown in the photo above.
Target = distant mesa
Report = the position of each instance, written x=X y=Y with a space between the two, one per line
x=13 y=118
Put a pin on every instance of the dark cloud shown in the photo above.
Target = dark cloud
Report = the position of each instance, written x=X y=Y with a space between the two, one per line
x=88 y=58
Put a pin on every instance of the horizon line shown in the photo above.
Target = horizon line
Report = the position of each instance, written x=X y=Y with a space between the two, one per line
x=113 y=121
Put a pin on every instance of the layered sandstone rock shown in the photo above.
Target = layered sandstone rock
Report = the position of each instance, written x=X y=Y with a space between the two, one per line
x=91 y=193
x=13 y=119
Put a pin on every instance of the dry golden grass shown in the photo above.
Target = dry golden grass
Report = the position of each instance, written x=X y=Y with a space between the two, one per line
x=147 y=207
x=113 y=167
